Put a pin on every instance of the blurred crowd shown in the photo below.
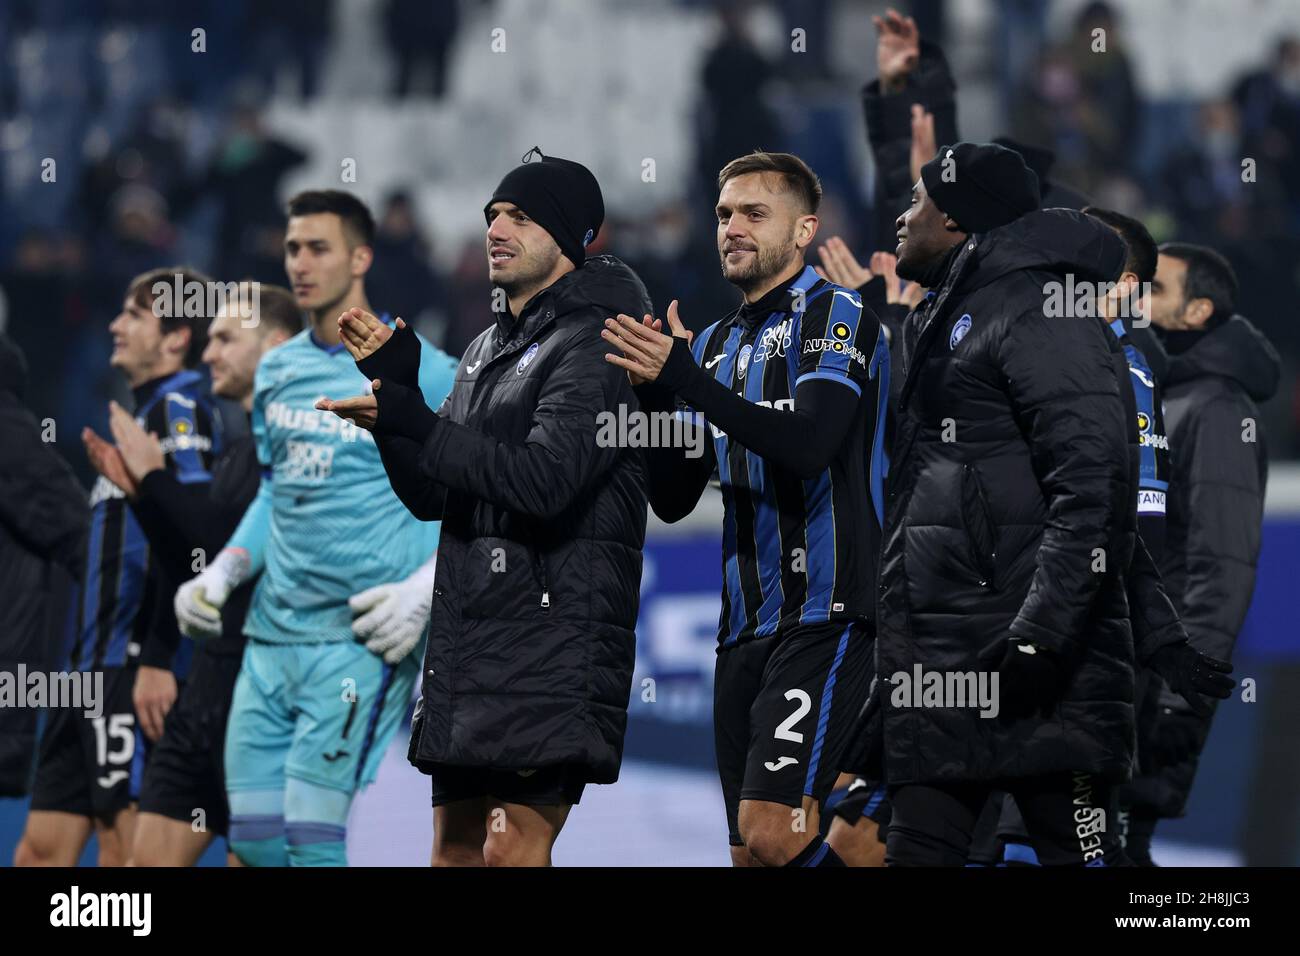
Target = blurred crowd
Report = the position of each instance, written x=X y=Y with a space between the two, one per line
x=170 y=162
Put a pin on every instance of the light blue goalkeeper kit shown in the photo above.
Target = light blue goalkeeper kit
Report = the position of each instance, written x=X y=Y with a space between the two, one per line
x=313 y=709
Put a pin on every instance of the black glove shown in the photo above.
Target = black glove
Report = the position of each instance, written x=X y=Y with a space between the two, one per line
x=396 y=361
x=1176 y=738
x=402 y=411
x=1028 y=683
x=1189 y=673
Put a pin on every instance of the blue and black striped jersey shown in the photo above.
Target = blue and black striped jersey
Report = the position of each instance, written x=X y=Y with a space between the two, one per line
x=796 y=550
x=1153 y=475
x=120 y=596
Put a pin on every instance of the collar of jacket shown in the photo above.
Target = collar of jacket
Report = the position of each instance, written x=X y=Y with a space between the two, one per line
x=537 y=313
x=1235 y=350
x=918 y=328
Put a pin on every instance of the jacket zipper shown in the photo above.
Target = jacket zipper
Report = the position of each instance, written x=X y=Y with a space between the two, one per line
x=541 y=574
x=987 y=561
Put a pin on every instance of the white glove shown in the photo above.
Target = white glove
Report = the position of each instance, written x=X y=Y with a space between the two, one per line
x=199 y=600
x=394 y=617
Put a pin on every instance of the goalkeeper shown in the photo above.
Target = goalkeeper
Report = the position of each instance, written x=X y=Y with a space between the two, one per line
x=342 y=562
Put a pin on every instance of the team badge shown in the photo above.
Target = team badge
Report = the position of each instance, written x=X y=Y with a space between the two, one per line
x=742 y=361
x=959 y=331
x=528 y=357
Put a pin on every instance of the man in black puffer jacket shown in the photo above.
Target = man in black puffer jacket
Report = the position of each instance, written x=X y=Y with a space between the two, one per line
x=532 y=637
x=1220 y=367
x=43 y=523
x=1010 y=531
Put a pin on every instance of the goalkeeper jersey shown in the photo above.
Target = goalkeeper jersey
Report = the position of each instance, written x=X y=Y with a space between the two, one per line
x=325 y=524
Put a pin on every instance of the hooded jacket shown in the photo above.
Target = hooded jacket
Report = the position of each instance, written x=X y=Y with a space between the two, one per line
x=1218 y=474
x=532 y=631
x=44 y=516
x=1012 y=513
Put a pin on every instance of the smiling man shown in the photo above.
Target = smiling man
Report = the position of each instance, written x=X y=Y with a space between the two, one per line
x=185 y=778
x=793 y=386
x=532 y=636
x=1011 y=531
x=89 y=771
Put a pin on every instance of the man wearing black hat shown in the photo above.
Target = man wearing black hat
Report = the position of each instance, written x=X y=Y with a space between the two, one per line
x=1010 y=527
x=531 y=642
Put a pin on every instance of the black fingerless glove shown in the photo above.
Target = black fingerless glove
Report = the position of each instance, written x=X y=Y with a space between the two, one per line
x=679 y=366
x=397 y=361
x=402 y=411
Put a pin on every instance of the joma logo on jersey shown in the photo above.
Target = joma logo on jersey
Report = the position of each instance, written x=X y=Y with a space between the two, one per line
x=282 y=415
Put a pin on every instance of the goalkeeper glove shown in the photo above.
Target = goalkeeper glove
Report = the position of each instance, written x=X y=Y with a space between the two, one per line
x=199 y=600
x=393 y=617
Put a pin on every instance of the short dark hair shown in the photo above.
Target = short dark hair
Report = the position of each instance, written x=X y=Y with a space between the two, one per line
x=797 y=175
x=358 y=223
x=141 y=292
x=1142 y=253
x=276 y=307
x=1209 y=276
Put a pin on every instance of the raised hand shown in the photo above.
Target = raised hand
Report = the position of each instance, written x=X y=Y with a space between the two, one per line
x=898 y=48
x=141 y=451
x=923 y=145
x=107 y=460
x=840 y=266
x=362 y=334
x=645 y=349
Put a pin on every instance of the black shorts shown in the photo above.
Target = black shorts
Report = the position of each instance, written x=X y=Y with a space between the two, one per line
x=785 y=709
x=92 y=766
x=557 y=785
x=866 y=799
x=186 y=779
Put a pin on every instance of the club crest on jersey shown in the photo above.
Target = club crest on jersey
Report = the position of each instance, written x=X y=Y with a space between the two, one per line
x=959 y=331
x=742 y=361
x=527 y=358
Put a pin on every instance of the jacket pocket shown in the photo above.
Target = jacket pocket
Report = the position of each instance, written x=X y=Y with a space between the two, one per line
x=981 y=532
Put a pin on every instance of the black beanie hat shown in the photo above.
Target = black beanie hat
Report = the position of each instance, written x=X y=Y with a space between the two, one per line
x=561 y=196
x=988 y=186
